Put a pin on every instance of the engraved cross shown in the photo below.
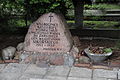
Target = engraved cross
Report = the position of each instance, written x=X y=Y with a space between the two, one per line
x=50 y=17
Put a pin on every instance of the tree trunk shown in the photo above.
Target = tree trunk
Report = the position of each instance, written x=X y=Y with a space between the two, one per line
x=78 y=9
x=26 y=5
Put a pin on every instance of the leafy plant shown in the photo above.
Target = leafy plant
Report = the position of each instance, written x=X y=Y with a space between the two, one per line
x=107 y=50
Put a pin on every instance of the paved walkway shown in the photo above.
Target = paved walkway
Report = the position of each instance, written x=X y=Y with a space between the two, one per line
x=15 y=71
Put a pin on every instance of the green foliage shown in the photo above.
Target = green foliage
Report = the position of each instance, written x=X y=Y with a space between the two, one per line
x=34 y=8
x=107 y=50
x=31 y=8
x=9 y=7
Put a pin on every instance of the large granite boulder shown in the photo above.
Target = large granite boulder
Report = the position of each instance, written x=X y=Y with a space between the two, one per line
x=48 y=39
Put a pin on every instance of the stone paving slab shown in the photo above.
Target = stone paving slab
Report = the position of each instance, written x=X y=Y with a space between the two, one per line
x=30 y=76
x=58 y=71
x=119 y=74
x=37 y=79
x=103 y=79
x=15 y=71
x=15 y=68
x=74 y=78
x=55 y=78
x=9 y=76
x=2 y=66
x=12 y=71
x=80 y=72
x=99 y=78
x=34 y=79
x=101 y=73
x=33 y=69
x=112 y=79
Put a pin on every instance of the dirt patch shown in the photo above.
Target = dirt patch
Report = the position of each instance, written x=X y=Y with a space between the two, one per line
x=13 y=40
x=10 y=40
x=101 y=42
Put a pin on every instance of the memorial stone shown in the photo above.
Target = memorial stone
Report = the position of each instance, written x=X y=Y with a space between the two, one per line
x=49 y=39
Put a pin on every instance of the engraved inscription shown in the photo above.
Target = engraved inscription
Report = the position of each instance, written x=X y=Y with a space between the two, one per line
x=46 y=36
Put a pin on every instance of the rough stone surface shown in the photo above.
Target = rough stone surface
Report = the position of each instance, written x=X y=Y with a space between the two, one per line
x=30 y=77
x=112 y=79
x=16 y=71
x=116 y=69
x=119 y=74
x=99 y=78
x=74 y=78
x=2 y=66
x=33 y=72
x=58 y=71
x=101 y=73
x=37 y=79
x=78 y=72
x=48 y=35
x=68 y=60
x=8 y=53
x=56 y=59
x=12 y=71
x=55 y=78
x=49 y=39
x=33 y=69
x=83 y=59
x=10 y=76
x=20 y=46
x=15 y=68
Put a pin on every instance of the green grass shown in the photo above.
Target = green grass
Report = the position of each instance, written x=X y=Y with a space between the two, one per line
x=18 y=23
x=99 y=24
x=102 y=6
x=70 y=21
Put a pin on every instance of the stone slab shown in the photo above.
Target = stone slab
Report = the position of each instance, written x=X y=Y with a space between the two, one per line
x=112 y=79
x=10 y=76
x=58 y=71
x=55 y=78
x=74 y=78
x=37 y=79
x=116 y=69
x=99 y=78
x=103 y=79
x=119 y=74
x=2 y=66
x=15 y=68
x=80 y=72
x=34 y=69
x=101 y=73
x=30 y=77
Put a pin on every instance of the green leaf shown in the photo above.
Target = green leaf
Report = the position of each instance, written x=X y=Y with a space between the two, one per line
x=107 y=50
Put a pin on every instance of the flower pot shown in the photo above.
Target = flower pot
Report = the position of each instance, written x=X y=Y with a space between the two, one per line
x=97 y=57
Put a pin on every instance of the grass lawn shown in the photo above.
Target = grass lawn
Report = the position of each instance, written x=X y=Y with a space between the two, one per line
x=102 y=6
x=99 y=24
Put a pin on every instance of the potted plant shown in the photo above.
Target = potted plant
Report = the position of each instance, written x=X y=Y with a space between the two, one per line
x=98 y=54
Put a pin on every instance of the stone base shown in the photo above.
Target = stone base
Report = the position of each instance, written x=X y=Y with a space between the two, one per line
x=46 y=59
